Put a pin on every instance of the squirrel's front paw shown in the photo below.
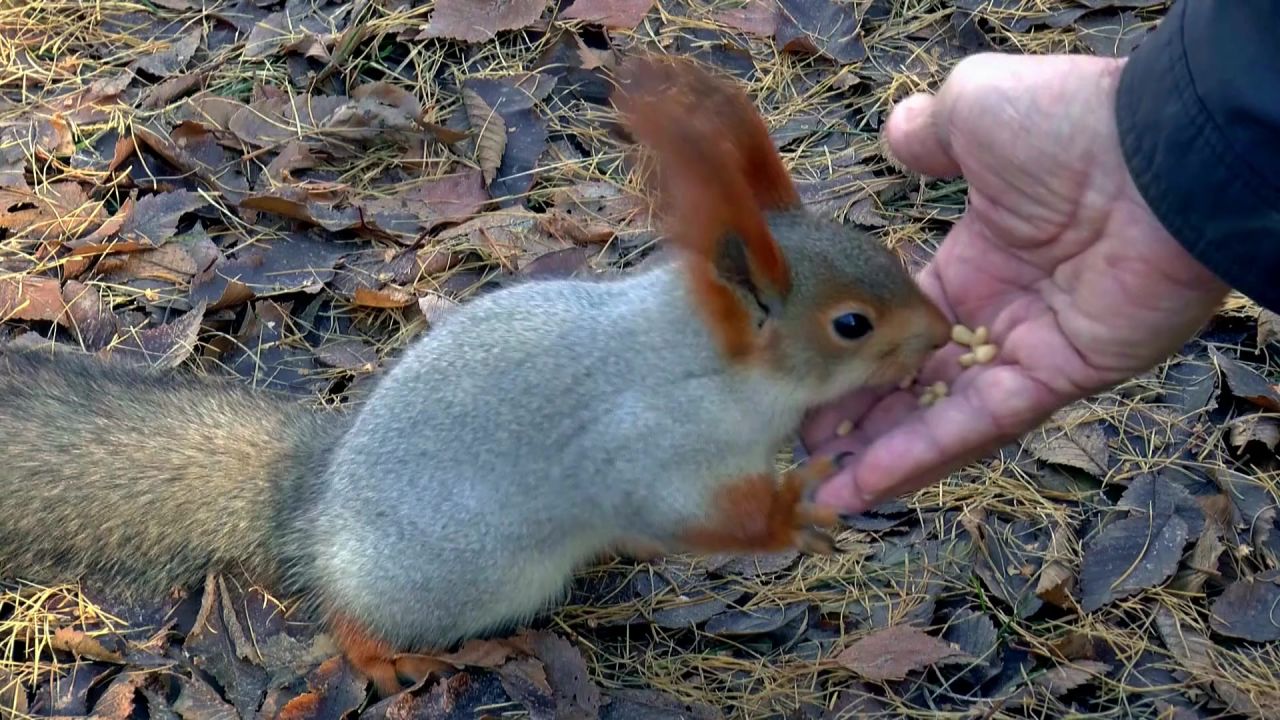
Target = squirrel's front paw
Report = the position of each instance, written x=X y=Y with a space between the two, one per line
x=811 y=541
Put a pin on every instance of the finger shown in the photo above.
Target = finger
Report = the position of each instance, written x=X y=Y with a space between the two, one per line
x=1001 y=404
x=824 y=423
x=916 y=136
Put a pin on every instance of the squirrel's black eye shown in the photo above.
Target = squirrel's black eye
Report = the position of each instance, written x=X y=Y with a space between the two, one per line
x=851 y=326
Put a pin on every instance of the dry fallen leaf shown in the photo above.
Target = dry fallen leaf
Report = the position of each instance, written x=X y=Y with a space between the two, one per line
x=88 y=316
x=892 y=653
x=1065 y=678
x=60 y=210
x=824 y=27
x=163 y=346
x=1247 y=609
x=1082 y=446
x=75 y=641
x=1262 y=429
x=757 y=17
x=491 y=133
x=613 y=14
x=388 y=296
x=1196 y=653
x=1128 y=556
x=267 y=267
x=1246 y=384
x=13 y=696
x=485 y=652
x=513 y=100
x=1057 y=578
x=435 y=307
x=576 y=695
x=476 y=21
x=30 y=298
x=1268 y=327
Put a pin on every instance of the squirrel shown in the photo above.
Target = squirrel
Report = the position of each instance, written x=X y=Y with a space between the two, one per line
x=536 y=428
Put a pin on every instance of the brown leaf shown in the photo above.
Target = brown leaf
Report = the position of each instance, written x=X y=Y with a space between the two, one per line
x=576 y=695
x=511 y=238
x=1065 y=678
x=314 y=206
x=491 y=133
x=296 y=155
x=197 y=701
x=450 y=198
x=1196 y=654
x=1268 y=327
x=1246 y=383
x=1057 y=578
x=348 y=354
x=334 y=691
x=269 y=123
x=88 y=316
x=165 y=146
x=1261 y=429
x=94 y=103
x=476 y=21
x=754 y=621
x=162 y=346
x=566 y=263
x=483 y=653
x=1082 y=446
x=117 y=702
x=525 y=131
x=57 y=211
x=1130 y=555
x=269 y=266
x=155 y=219
x=179 y=50
x=1009 y=559
x=525 y=680
x=562 y=225
x=612 y=14
x=30 y=298
x=757 y=17
x=54 y=138
x=892 y=653
x=13 y=696
x=387 y=296
x=267 y=354
x=76 y=642
x=300 y=28
x=163 y=93
x=1247 y=609
x=824 y=27
x=634 y=704
x=1203 y=563
x=435 y=307
x=170 y=263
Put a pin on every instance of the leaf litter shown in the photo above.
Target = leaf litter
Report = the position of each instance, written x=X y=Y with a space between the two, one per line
x=288 y=192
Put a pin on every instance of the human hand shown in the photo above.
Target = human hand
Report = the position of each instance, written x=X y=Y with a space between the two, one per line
x=1057 y=254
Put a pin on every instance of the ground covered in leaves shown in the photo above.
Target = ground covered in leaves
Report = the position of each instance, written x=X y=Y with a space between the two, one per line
x=288 y=192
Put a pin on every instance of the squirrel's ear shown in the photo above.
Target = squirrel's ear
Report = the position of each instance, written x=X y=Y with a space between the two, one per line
x=717 y=170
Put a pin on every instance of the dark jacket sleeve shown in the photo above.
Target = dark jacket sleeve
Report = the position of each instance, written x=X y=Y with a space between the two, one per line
x=1198 y=110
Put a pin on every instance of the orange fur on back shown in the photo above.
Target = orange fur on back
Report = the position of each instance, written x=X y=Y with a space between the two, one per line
x=718 y=172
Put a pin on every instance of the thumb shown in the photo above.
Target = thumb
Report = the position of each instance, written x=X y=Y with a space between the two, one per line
x=916 y=136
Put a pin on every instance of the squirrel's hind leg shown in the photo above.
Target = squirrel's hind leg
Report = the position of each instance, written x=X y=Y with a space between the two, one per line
x=378 y=661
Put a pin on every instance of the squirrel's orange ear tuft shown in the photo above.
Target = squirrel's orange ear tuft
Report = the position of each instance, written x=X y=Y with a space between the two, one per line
x=718 y=171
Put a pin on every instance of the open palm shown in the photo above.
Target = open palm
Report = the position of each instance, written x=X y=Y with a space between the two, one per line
x=1057 y=254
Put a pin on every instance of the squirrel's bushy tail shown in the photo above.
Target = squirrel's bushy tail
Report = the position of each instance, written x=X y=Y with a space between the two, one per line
x=140 y=479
